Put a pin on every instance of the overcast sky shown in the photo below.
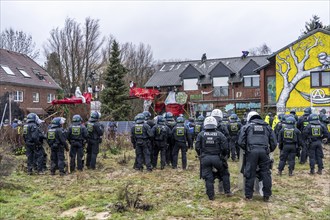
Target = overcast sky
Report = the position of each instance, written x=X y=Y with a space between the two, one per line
x=173 y=29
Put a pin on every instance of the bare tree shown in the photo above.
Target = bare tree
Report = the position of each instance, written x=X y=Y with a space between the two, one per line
x=73 y=53
x=261 y=50
x=139 y=61
x=284 y=67
x=18 y=41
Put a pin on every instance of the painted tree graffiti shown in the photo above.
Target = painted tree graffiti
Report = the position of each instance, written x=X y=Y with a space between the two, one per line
x=281 y=62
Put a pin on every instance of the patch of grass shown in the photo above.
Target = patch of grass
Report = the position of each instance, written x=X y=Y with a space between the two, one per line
x=79 y=216
x=73 y=202
x=173 y=194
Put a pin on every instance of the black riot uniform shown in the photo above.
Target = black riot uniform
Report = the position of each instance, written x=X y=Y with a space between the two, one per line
x=77 y=135
x=279 y=125
x=234 y=126
x=289 y=139
x=198 y=126
x=33 y=136
x=161 y=134
x=257 y=139
x=212 y=148
x=315 y=132
x=95 y=131
x=170 y=122
x=57 y=142
x=301 y=124
x=180 y=134
x=140 y=135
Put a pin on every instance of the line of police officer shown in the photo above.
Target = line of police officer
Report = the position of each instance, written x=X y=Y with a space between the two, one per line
x=218 y=138
x=77 y=135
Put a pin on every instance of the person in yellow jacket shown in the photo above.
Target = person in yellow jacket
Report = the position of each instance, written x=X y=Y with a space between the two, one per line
x=276 y=120
x=267 y=119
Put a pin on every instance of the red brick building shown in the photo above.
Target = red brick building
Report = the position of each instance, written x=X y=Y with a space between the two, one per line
x=225 y=83
x=27 y=82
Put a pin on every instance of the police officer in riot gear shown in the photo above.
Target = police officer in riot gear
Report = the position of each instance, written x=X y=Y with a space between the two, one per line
x=95 y=131
x=244 y=122
x=315 y=132
x=212 y=147
x=199 y=125
x=234 y=126
x=294 y=114
x=170 y=122
x=140 y=134
x=301 y=124
x=57 y=142
x=279 y=125
x=225 y=119
x=151 y=123
x=222 y=127
x=161 y=134
x=289 y=139
x=257 y=139
x=77 y=135
x=33 y=136
x=180 y=133
x=190 y=132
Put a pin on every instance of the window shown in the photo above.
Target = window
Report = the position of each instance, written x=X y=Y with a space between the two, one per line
x=35 y=97
x=220 y=91
x=18 y=96
x=252 y=81
x=50 y=98
x=24 y=73
x=220 y=81
x=190 y=84
x=320 y=79
x=8 y=70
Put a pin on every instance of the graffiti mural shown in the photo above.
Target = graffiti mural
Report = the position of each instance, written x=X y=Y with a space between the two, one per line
x=293 y=70
x=271 y=90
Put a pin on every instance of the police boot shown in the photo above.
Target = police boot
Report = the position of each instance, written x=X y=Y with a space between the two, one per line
x=312 y=172
x=319 y=171
x=290 y=172
x=279 y=173
x=266 y=198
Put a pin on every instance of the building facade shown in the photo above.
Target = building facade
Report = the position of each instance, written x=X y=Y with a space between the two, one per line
x=230 y=84
x=27 y=83
x=301 y=71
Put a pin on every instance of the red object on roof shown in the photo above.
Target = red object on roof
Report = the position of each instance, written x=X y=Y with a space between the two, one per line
x=159 y=106
x=176 y=109
x=146 y=94
x=73 y=100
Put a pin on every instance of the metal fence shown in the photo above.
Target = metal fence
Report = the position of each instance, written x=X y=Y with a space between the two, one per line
x=123 y=127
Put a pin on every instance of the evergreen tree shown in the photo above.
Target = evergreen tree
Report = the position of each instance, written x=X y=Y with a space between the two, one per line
x=314 y=23
x=114 y=95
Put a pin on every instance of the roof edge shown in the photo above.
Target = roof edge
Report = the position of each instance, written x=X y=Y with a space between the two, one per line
x=299 y=39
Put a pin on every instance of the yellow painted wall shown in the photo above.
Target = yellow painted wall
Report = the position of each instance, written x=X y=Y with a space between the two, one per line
x=296 y=100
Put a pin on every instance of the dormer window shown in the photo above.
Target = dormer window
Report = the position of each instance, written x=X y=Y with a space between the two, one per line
x=220 y=85
x=190 y=84
x=7 y=70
